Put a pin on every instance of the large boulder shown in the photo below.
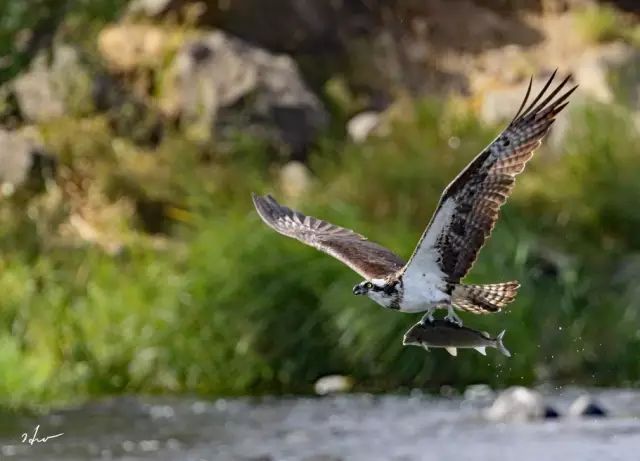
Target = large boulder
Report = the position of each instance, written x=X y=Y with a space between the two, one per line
x=222 y=86
x=22 y=159
x=300 y=25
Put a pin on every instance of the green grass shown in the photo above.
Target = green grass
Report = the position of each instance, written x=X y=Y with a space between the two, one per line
x=226 y=306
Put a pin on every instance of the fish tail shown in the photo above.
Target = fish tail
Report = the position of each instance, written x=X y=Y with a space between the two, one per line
x=500 y=345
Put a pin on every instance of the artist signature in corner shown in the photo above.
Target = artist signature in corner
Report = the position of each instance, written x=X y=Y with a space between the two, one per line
x=34 y=438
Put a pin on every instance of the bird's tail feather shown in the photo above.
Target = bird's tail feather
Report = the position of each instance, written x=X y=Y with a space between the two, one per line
x=484 y=299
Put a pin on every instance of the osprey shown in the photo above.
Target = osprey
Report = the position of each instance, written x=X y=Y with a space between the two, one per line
x=462 y=221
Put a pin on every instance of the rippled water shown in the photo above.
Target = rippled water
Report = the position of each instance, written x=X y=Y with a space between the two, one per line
x=349 y=427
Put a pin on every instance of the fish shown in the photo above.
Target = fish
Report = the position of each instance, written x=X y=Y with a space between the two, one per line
x=448 y=335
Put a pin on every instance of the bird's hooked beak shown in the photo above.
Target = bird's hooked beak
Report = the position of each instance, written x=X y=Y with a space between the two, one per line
x=359 y=290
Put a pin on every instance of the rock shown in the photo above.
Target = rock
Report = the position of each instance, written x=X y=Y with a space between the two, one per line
x=360 y=126
x=128 y=47
x=333 y=384
x=149 y=8
x=294 y=180
x=37 y=97
x=611 y=72
x=518 y=404
x=301 y=24
x=47 y=91
x=586 y=406
x=550 y=413
x=223 y=85
x=22 y=159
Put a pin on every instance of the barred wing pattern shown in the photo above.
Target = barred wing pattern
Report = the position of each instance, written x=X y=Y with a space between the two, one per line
x=368 y=259
x=469 y=206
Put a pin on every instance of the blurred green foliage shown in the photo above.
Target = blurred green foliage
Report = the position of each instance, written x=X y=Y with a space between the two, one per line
x=29 y=26
x=223 y=305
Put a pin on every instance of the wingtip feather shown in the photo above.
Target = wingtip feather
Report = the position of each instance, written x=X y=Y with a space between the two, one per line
x=536 y=107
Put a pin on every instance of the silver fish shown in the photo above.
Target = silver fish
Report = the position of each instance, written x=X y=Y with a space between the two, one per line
x=450 y=336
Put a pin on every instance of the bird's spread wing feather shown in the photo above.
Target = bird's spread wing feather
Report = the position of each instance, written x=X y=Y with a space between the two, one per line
x=368 y=259
x=469 y=206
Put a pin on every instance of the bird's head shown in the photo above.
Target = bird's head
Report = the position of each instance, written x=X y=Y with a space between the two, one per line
x=382 y=291
x=363 y=288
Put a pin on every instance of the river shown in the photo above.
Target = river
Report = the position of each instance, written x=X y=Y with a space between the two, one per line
x=355 y=427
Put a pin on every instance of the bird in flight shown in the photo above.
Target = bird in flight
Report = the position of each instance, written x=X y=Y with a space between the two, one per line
x=464 y=218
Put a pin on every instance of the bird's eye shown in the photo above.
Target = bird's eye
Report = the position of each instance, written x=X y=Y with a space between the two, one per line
x=369 y=285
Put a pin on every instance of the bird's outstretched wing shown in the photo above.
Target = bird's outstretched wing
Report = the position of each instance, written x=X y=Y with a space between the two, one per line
x=368 y=259
x=469 y=206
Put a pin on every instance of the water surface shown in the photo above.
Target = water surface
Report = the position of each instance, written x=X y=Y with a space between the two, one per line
x=349 y=427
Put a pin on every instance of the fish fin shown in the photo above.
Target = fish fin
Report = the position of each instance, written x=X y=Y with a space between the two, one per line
x=481 y=349
x=500 y=345
x=452 y=350
x=426 y=348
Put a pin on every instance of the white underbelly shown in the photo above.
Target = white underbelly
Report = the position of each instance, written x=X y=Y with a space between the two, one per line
x=420 y=296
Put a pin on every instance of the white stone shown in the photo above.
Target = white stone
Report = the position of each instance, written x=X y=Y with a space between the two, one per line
x=360 y=126
x=333 y=384
x=294 y=180
x=516 y=404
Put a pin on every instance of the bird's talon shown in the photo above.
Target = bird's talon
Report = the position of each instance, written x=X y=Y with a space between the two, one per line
x=427 y=318
x=451 y=317
x=455 y=320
